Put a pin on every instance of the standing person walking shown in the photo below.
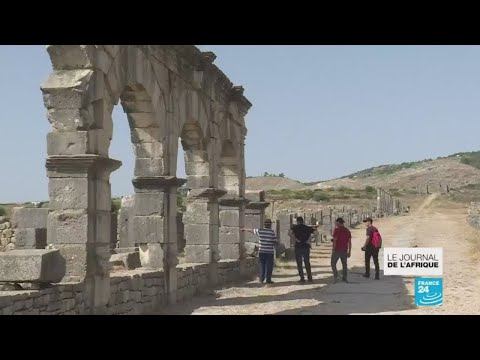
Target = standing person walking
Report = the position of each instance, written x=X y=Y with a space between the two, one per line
x=373 y=244
x=266 y=250
x=342 y=247
x=302 y=235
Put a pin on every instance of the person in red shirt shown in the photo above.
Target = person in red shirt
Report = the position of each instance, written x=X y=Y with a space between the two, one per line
x=342 y=247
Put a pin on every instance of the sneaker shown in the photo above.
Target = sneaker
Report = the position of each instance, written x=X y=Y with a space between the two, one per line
x=270 y=282
x=377 y=277
x=301 y=281
x=310 y=280
x=345 y=280
x=366 y=276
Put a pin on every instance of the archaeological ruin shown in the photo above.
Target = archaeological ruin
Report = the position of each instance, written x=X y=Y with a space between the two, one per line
x=167 y=92
x=78 y=255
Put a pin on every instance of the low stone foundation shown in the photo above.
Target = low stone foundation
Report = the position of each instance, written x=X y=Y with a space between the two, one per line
x=132 y=292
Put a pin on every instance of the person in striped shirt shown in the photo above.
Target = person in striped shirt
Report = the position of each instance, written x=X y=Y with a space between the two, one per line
x=266 y=249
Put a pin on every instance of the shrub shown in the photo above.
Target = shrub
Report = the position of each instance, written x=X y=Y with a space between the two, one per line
x=369 y=189
x=2 y=211
x=320 y=196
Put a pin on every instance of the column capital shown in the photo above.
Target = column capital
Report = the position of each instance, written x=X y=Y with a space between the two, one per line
x=62 y=165
x=233 y=201
x=257 y=205
x=206 y=193
x=147 y=184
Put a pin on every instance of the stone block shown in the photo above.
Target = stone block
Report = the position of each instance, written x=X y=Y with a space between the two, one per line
x=141 y=120
x=255 y=196
x=197 y=213
x=8 y=233
x=229 y=218
x=67 y=89
x=152 y=255
x=128 y=260
x=197 y=234
x=229 y=251
x=69 y=57
x=198 y=253
x=229 y=235
x=148 y=135
x=33 y=265
x=31 y=238
x=197 y=168
x=149 y=167
x=148 y=229
x=68 y=143
x=198 y=181
x=68 y=227
x=152 y=150
x=147 y=204
x=70 y=119
x=29 y=218
x=68 y=193
x=76 y=257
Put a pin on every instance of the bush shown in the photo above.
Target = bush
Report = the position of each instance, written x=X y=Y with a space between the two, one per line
x=320 y=196
x=116 y=204
x=369 y=189
x=2 y=211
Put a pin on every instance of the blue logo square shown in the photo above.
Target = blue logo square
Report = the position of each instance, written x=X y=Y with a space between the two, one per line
x=428 y=291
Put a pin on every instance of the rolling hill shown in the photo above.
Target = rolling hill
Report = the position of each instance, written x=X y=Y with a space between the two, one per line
x=457 y=170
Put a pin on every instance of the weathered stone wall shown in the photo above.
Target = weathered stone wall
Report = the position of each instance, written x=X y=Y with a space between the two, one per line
x=7 y=234
x=132 y=292
x=473 y=217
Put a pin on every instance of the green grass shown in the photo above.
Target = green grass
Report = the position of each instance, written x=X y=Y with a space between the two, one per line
x=322 y=195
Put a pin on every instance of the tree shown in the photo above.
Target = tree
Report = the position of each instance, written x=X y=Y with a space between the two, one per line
x=265 y=174
x=282 y=175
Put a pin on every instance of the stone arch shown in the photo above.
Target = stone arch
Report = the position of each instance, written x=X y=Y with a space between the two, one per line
x=87 y=81
x=167 y=91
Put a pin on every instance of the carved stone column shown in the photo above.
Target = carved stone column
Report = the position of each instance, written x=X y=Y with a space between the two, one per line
x=155 y=225
x=79 y=220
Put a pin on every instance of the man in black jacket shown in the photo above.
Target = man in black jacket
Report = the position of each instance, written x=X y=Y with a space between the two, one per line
x=302 y=235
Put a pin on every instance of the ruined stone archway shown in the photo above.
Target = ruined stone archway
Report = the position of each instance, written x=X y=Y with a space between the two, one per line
x=86 y=82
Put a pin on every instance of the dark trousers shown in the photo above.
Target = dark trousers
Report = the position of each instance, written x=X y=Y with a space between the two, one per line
x=370 y=252
x=266 y=266
x=303 y=253
x=342 y=255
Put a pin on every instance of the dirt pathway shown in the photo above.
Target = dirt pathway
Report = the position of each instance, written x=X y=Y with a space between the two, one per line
x=433 y=224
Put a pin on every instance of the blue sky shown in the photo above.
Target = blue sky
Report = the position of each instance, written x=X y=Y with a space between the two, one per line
x=319 y=112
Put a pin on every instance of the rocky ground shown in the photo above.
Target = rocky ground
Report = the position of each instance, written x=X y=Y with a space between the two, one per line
x=435 y=223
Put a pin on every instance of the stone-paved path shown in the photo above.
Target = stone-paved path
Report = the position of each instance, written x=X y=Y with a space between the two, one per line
x=433 y=224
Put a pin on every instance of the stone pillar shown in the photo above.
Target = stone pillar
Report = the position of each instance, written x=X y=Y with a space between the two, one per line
x=201 y=226
x=155 y=226
x=126 y=238
x=284 y=223
x=379 y=204
x=232 y=217
x=79 y=220
x=254 y=217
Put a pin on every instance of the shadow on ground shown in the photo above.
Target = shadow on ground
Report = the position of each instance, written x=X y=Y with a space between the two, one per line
x=359 y=296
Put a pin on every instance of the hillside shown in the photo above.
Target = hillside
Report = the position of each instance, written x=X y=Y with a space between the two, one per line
x=457 y=170
x=272 y=183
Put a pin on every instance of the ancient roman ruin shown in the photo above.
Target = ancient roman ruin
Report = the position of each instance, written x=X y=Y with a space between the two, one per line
x=168 y=93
